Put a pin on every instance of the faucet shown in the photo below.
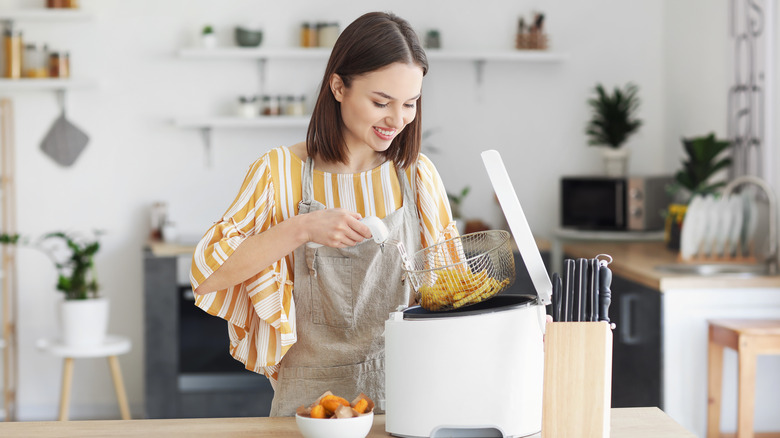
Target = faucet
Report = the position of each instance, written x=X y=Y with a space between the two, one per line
x=772 y=256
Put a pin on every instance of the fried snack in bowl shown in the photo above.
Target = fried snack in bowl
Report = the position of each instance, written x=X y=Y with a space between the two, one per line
x=331 y=416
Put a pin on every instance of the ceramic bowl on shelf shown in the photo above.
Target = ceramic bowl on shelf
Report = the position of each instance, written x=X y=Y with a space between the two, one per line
x=355 y=427
x=248 y=37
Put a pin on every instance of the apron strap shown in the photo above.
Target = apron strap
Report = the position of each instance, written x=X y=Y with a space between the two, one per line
x=307 y=181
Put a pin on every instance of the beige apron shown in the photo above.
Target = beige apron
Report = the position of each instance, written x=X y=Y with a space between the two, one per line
x=342 y=298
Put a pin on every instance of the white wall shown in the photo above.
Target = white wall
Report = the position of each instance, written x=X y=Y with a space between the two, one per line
x=534 y=114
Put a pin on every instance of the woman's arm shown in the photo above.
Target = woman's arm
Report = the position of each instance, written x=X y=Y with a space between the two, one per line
x=333 y=227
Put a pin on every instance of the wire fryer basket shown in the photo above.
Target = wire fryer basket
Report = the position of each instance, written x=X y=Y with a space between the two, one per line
x=462 y=271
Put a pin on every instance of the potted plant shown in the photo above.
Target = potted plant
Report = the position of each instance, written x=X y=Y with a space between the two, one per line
x=612 y=122
x=83 y=312
x=704 y=158
x=208 y=38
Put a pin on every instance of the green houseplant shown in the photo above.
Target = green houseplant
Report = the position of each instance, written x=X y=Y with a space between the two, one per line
x=613 y=120
x=208 y=38
x=77 y=275
x=83 y=313
x=704 y=158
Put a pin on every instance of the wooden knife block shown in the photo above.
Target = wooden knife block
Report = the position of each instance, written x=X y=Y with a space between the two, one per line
x=577 y=380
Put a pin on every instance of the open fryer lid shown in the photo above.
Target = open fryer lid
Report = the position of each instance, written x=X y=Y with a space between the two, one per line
x=518 y=224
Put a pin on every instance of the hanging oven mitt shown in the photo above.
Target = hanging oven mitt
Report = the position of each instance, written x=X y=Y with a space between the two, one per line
x=64 y=141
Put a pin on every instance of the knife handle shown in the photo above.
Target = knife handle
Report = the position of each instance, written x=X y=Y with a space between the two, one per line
x=556 y=297
x=567 y=311
x=605 y=294
x=593 y=290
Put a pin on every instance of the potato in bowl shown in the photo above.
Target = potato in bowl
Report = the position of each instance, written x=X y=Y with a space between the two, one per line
x=331 y=416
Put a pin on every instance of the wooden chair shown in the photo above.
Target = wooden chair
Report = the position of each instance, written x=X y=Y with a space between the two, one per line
x=750 y=338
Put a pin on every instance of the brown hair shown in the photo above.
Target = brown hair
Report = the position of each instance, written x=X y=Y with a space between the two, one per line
x=373 y=41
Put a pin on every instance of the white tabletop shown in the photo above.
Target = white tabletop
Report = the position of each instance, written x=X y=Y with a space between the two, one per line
x=113 y=345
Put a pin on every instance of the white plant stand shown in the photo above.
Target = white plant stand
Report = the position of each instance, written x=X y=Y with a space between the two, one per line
x=110 y=348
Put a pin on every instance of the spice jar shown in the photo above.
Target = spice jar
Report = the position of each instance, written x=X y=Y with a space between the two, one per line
x=295 y=106
x=12 y=44
x=308 y=35
x=327 y=34
x=36 y=60
x=59 y=65
x=271 y=105
x=247 y=107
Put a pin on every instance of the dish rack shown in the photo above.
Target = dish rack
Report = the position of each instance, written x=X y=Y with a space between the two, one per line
x=462 y=271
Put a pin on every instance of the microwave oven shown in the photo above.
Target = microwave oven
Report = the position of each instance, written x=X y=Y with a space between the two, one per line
x=632 y=203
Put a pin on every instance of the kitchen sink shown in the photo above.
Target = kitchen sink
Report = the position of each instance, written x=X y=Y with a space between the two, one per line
x=740 y=269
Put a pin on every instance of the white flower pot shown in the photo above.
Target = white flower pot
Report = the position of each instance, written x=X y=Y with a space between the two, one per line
x=615 y=161
x=84 y=323
x=208 y=40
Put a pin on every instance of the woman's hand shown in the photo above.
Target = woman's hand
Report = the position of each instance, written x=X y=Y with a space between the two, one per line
x=335 y=227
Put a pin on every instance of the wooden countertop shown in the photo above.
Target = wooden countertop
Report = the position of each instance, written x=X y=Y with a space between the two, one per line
x=626 y=423
x=636 y=261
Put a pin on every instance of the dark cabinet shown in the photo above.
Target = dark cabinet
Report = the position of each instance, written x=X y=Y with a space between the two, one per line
x=188 y=369
x=637 y=357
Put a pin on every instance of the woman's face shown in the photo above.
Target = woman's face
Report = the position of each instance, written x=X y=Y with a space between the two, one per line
x=378 y=105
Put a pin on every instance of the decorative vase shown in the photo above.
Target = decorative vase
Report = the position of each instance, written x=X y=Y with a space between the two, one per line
x=84 y=323
x=615 y=161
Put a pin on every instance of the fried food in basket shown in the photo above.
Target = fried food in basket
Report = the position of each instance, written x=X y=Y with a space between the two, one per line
x=458 y=287
x=333 y=406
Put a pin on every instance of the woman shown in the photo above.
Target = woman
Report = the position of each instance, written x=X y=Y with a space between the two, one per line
x=311 y=319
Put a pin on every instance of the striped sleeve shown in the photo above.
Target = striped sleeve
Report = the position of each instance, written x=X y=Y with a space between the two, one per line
x=433 y=205
x=260 y=311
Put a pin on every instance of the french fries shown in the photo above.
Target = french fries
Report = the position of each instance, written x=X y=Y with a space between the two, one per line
x=458 y=287
x=332 y=406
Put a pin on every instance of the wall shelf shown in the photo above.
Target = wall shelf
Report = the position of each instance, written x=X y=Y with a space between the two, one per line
x=263 y=55
x=242 y=122
x=45 y=15
x=323 y=53
x=53 y=84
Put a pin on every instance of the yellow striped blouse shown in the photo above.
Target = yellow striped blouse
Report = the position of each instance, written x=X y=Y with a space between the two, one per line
x=260 y=311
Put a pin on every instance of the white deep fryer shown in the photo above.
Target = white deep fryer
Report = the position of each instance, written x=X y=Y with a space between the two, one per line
x=476 y=371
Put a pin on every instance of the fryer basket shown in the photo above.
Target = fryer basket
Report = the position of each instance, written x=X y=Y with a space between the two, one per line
x=462 y=271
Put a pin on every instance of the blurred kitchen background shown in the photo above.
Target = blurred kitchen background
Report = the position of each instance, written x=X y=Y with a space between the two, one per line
x=143 y=99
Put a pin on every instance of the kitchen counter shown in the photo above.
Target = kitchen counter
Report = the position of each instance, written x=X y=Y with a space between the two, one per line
x=626 y=423
x=636 y=261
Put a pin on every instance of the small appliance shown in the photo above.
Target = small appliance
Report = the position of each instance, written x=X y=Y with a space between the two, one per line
x=633 y=203
x=476 y=371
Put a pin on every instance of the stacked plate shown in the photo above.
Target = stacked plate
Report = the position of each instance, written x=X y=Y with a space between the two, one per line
x=719 y=227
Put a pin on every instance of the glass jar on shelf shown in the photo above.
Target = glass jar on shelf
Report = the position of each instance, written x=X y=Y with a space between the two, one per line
x=295 y=106
x=327 y=34
x=36 y=60
x=271 y=105
x=59 y=64
x=247 y=107
x=12 y=50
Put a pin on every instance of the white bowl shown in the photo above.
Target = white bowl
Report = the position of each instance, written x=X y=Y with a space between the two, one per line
x=355 y=427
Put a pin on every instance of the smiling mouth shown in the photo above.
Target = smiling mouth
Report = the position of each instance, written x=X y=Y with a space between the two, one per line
x=385 y=134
